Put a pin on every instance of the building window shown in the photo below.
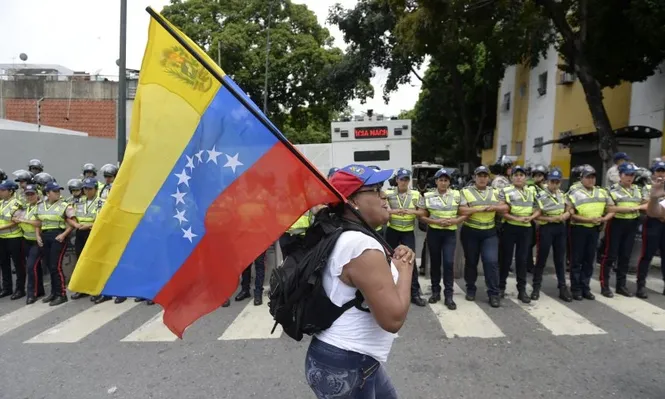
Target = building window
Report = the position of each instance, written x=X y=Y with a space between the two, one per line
x=505 y=106
x=542 y=83
x=538 y=141
x=504 y=150
x=518 y=148
x=371 y=156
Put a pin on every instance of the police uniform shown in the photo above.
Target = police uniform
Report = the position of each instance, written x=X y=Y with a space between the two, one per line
x=245 y=280
x=620 y=234
x=551 y=235
x=441 y=239
x=479 y=240
x=584 y=235
x=31 y=249
x=516 y=235
x=401 y=228
x=11 y=244
x=653 y=240
x=85 y=211
x=293 y=238
x=53 y=217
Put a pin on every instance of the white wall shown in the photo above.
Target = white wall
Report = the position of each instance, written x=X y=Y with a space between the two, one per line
x=540 y=118
x=647 y=107
x=504 y=122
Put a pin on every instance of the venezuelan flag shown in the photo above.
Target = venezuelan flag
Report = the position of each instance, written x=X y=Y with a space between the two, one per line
x=207 y=184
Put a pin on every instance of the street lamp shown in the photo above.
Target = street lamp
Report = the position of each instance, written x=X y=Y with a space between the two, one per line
x=122 y=83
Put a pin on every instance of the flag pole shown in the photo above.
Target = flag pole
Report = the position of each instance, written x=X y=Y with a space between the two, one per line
x=161 y=20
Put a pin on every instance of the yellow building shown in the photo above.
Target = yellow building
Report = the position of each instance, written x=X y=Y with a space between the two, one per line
x=542 y=104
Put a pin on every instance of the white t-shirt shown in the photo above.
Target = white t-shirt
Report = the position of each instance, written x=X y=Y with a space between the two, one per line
x=354 y=330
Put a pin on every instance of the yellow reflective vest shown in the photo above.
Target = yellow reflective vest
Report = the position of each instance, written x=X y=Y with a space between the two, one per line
x=521 y=203
x=551 y=204
x=408 y=200
x=589 y=204
x=630 y=198
x=301 y=225
x=442 y=206
x=473 y=197
x=7 y=210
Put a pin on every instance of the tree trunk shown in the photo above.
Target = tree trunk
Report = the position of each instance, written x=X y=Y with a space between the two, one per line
x=572 y=49
x=469 y=134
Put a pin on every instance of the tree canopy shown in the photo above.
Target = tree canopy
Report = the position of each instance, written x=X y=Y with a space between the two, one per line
x=471 y=42
x=469 y=46
x=310 y=81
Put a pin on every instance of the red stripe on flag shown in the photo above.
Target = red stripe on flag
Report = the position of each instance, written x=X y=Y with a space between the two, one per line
x=240 y=224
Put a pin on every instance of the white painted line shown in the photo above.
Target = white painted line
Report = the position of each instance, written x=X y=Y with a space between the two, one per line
x=25 y=315
x=654 y=284
x=553 y=314
x=153 y=330
x=637 y=309
x=254 y=322
x=83 y=324
x=467 y=321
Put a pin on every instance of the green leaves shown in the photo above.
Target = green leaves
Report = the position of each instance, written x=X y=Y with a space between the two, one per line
x=309 y=80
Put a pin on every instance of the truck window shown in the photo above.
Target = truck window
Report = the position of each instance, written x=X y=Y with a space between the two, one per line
x=370 y=156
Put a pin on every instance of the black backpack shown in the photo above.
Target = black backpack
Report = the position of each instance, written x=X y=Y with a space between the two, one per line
x=297 y=299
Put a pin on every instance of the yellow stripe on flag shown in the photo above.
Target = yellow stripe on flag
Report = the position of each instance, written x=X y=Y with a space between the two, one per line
x=173 y=92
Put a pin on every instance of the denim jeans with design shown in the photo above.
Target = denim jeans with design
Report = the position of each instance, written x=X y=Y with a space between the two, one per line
x=336 y=373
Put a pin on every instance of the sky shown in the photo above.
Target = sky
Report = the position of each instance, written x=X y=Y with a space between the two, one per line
x=83 y=37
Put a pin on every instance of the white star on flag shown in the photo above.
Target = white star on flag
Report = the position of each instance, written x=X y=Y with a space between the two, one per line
x=213 y=155
x=180 y=215
x=190 y=163
x=183 y=178
x=179 y=197
x=232 y=162
x=188 y=234
x=199 y=156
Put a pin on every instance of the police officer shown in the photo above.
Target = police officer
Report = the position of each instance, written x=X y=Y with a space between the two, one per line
x=537 y=182
x=11 y=242
x=501 y=170
x=85 y=213
x=27 y=220
x=653 y=236
x=479 y=238
x=294 y=237
x=401 y=225
x=516 y=235
x=441 y=206
x=35 y=166
x=23 y=178
x=54 y=215
x=621 y=230
x=109 y=171
x=89 y=170
x=589 y=210
x=42 y=179
x=75 y=187
x=551 y=234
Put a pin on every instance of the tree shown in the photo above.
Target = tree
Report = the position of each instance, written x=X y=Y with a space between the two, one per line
x=469 y=45
x=310 y=81
x=587 y=27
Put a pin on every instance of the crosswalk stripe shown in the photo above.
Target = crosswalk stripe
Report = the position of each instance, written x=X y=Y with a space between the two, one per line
x=554 y=315
x=78 y=327
x=153 y=330
x=652 y=283
x=467 y=321
x=254 y=322
x=637 y=309
x=24 y=315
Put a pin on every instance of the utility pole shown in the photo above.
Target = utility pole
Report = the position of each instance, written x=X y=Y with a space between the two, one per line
x=265 y=83
x=122 y=84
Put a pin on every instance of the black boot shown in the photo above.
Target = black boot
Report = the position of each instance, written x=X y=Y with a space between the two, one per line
x=641 y=293
x=522 y=296
x=450 y=304
x=242 y=295
x=436 y=297
x=535 y=294
x=624 y=291
x=58 y=300
x=417 y=300
x=565 y=295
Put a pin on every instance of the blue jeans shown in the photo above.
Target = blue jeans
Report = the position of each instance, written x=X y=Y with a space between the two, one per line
x=480 y=244
x=332 y=372
x=441 y=244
